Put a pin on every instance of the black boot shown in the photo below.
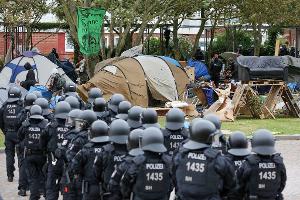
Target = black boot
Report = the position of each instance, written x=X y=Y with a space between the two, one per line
x=22 y=192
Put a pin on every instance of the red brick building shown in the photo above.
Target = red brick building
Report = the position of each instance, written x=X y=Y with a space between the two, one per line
x=44 y=42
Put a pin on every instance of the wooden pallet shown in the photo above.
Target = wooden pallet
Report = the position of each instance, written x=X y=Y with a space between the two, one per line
x=278 y=90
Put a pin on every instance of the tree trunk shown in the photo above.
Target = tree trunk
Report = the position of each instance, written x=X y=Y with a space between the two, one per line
x=257 y=39
x=111 y=37
x=140 y=34
x=103 y=47
x=28 y=38
x=8 y=54
x=175 y=39
x=199 y=34
x=122 y=40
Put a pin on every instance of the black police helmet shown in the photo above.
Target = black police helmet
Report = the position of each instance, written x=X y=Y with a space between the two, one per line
x=44 y=105
x=134 y=117
x=88 y=116
x=133 y=144
x=114 y=102
x=99 y=132
x=123 y=109
x=38 y=94
x=75 y=114
x=175 y=119
x=119 y=131
x=153 y=140
x=263 y=142
x=36 y=112
x=99 y=105
x=70 y=87
x=29 y=100
x=62 y=110
x=93 y=94
x=150 y=118
x=14 y=94
x=200 y=135
x=73 y=101
x=238 y=144
x=214 y=119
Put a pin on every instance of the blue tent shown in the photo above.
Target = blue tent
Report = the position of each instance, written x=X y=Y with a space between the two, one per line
x=171 y=60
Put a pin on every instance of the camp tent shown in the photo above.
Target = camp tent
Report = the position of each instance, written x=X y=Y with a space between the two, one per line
x=14 y=71
x=140 y=79
x=171 y=60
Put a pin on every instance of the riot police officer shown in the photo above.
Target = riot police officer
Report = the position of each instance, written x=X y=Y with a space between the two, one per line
x=23 y=182
x=134 y=117
x=219 y=139
x=70 y=90
x=82 y=163
x=112 y=154
x=123 y=109
x=28 y=102
x=174 y=133
x=149 y=118
x=55 y=135
x=32 y=135
x=87 y=117
x=67 y=182
x=149 y=175
x=99 y=107
x=238 y=149
x=93 y=94
x=134 y=148
x=113 y=105
x=263 y=174
x=10 y=114
x=201 y=172
x=44 y=104
x=73 y=101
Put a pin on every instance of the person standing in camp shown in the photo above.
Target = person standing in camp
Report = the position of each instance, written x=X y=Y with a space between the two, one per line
x=9 y=123
x=216 y=68
x=30 y=77
x=197 y=62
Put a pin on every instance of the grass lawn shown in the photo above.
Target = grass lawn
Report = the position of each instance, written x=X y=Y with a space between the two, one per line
x=1 y=139
x=277 y=126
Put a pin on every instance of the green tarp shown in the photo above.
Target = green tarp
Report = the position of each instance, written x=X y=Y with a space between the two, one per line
x=90 y=22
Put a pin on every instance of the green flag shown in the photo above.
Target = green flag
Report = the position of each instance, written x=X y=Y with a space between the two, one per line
x=90 y=22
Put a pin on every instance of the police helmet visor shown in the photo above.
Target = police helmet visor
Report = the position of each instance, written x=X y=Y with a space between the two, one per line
x=239 y=152
x=156 y=125
x=112 y=107
x=100 y=139
x=136 y=152
x=134 y=124
x=264 y=150
x=173 y=126
x=121 y=139
x=122 y=116
x=36 y=117
x=155 y=147
x=193 y=145
x=61 y=116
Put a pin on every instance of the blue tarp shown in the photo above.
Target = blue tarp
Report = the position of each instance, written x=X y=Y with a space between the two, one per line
x=200 y=68
x=171 y=60
x=44 y=90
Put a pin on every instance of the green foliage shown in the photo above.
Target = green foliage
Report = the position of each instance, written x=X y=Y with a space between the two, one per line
x=269 y=46
x=232 y=40
x=185 y=47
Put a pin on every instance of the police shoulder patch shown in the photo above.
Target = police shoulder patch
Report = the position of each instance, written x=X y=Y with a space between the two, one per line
x=212 y=153
x=253 y=159
x=139 y=159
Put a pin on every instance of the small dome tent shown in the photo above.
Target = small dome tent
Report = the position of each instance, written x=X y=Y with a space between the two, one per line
x=139 y=79
x=14 y=71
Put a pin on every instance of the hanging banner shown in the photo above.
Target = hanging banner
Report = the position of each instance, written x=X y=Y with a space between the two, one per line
x=90 y=22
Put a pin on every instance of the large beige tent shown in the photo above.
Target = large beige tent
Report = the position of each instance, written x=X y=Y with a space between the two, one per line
x=139 y=79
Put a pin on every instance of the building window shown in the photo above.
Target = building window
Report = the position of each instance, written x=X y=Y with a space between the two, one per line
x=69 y=45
